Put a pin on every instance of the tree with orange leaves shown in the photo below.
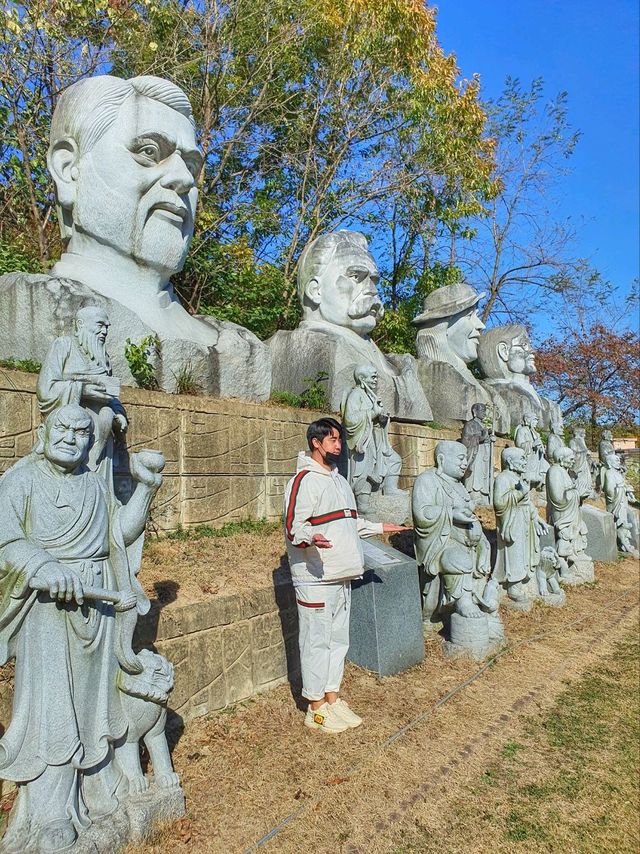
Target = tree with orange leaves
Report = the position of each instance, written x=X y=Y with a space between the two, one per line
x=593 y=371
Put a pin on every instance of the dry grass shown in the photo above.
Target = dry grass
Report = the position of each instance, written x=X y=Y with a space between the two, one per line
x=481 y=772
x=208 y=566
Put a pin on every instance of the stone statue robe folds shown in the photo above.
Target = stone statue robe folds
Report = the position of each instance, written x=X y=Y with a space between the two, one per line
x=582 y=466
x=529 y=440
x=434 y=498
x=518 y=543
x=564 y=512
x=477 y=440
x=371 y=457
x=67 y=705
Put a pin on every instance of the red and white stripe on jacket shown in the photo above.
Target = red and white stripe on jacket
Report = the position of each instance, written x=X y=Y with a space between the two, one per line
x=319 y=501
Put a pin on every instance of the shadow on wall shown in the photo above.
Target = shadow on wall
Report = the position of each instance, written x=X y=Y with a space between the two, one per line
x=288 y=613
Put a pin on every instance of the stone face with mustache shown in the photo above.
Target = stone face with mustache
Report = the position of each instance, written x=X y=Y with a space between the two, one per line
x=338 y=291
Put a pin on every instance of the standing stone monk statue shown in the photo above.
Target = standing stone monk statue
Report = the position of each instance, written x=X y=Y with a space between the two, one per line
x=519 y=529
x=579 y=447
x=373 y=464
x=70 y=600
x=564 y=513
x=478 y=441
x=528 y=438
x=555 y=439
x=605 y=447
x=618 y=493
x=77 y=369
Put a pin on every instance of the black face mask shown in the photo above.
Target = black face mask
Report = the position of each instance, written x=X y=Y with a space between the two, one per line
x=331 y=459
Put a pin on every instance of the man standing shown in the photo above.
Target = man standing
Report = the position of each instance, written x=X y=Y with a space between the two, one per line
x=322 y=531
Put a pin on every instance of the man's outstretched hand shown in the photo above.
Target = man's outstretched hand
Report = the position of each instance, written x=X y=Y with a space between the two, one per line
x=389 y=528
x=321 y=542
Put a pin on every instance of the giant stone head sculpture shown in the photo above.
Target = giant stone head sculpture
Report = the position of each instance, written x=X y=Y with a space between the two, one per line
x=449 y=326
x=124 y=161
x=338 y=282
x=505 y=353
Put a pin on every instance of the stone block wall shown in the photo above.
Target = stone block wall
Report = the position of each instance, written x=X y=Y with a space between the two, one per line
x=226 y=459
x=225 y=649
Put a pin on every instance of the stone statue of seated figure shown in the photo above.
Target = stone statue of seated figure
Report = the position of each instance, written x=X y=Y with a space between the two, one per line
x=519 y=529
x=77 y=369
x=374 y=467
x=125 y=165
x=617 y=494
x=71 y=600
x=507 y=362
x=446 y=343
x=338 y=292
x=565 y=514
x=454 y=556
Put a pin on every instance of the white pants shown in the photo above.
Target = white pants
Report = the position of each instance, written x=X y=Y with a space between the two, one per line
x=323 y=619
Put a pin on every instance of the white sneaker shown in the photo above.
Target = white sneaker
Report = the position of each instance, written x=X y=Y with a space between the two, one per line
x=346 y=714
x=325 y=718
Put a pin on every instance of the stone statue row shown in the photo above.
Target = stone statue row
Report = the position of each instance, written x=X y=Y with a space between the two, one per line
x=126 y=166
x=461 y=585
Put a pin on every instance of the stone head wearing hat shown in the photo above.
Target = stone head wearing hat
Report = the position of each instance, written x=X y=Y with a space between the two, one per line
x=449 y=327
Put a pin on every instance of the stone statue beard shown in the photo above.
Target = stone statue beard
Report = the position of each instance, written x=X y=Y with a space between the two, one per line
x=93 y=347
x=126 y=223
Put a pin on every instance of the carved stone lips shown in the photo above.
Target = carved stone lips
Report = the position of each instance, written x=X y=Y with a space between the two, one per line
x=179 y=211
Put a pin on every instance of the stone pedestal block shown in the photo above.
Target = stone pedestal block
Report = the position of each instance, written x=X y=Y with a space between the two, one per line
x=386 y=616
x=601 y=536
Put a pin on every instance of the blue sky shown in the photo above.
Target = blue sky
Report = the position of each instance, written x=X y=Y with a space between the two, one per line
x=590 y=49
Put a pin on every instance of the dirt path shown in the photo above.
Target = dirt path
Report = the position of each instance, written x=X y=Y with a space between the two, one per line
x=428 y=734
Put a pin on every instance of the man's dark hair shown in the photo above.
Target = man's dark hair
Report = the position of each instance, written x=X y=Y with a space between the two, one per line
x=322 y=428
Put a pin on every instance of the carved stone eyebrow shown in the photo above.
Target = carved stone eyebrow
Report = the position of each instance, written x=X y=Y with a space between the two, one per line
x=167 y=143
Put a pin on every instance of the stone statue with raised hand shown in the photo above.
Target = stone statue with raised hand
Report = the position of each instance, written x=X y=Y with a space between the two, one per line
x=125 y=164
x=70 y=601
x=579 y=447
x=507 y=362
x=565 y=514
x=528 y=439
x=479 y=441
x=618 y=493
x=77 y=369
x=374 y=467
x=519 y=529
x=446 y=343
x=341 y=306
x=454 y=556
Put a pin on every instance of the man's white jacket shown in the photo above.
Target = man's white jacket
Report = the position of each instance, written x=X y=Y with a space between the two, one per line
x=318 y=501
